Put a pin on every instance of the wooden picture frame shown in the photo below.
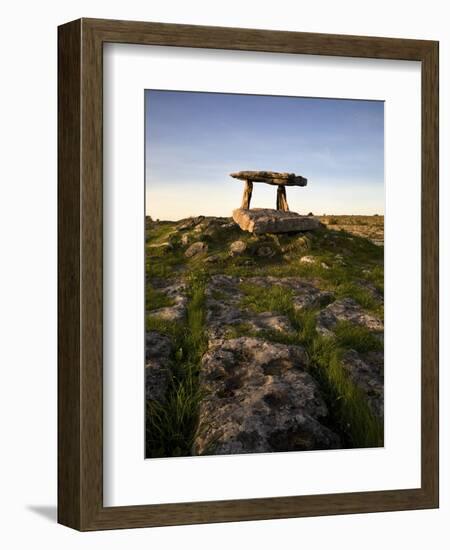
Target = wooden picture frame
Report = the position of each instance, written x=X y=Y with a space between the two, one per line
x=80 y=272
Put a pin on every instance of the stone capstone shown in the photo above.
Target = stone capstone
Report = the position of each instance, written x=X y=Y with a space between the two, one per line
x=272 y=178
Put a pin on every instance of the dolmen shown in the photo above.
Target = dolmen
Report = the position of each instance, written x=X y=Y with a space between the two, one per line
x=267 y=220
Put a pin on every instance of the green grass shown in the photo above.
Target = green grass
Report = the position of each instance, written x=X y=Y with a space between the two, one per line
x=196 y=340
x=375 y=275
x=159 y=232
x=351 y=336
x=238 y=330
x=155 y=299
x=273 y=298
x=174 y=329
x=159 y=263
x=359 y=253
x=171 y=425
x=363 y=296
x=346 y=402
x=347 y=405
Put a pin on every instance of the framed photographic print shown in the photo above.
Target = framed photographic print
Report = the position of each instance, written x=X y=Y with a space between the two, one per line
x=248 y=274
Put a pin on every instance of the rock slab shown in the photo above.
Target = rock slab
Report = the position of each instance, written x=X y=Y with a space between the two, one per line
x=260 y=398
x=267 y=220
x=272 y=178
x=225 y=313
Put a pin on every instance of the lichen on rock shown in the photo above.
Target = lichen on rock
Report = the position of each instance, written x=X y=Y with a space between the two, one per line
x=346 y=309
x=260 y=398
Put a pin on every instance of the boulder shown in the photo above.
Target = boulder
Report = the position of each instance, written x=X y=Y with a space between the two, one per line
x=189 y=223
x=267 y=220
x=259 y=398
x=303 y=242
x=264 y=246
x=196 y=248
x=237 y=248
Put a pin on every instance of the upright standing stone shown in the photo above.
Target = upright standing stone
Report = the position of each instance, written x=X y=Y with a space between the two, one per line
x=247 y=197
x=281 y=199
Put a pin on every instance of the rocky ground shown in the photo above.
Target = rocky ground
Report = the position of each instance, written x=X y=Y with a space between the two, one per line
x=262 y=343
x=371 y=227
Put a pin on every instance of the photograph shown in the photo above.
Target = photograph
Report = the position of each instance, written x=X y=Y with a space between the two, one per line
x=264 y=273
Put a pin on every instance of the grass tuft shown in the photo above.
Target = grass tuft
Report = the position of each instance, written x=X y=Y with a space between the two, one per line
x=346 y=401
x=155 y=299
x=274 y=298
x=239 y=329
x=363 y=296
x=351 y=336
x=171 y=425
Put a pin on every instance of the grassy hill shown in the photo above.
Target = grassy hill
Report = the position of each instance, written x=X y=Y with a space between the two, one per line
x=214 y=290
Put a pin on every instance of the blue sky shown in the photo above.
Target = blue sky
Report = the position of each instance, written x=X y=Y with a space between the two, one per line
x=194 y=140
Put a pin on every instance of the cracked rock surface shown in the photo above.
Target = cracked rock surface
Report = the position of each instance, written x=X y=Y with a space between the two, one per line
x=346 y=309
x=267 y=303
x=260 y=399
x=158 y=349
